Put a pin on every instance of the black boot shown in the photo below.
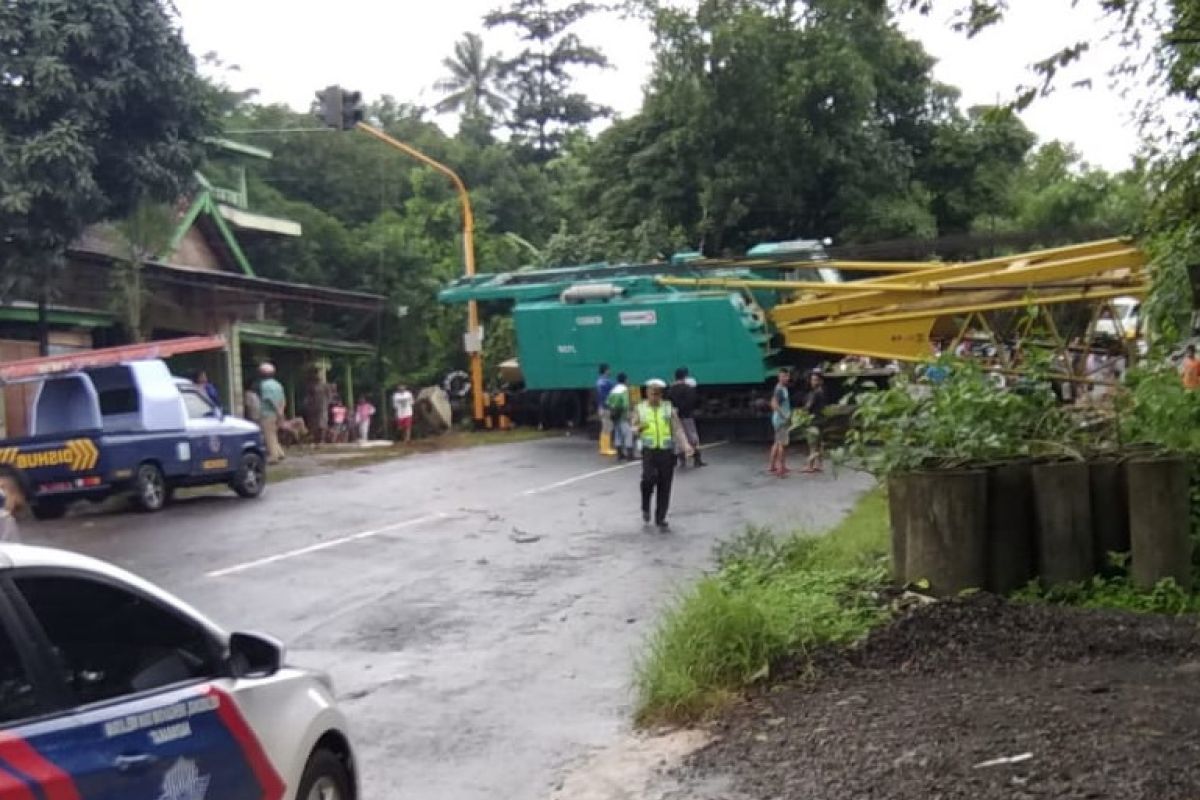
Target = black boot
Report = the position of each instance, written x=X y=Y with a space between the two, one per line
x=697 y=461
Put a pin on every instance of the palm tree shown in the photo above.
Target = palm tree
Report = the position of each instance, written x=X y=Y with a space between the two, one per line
x=470 y=86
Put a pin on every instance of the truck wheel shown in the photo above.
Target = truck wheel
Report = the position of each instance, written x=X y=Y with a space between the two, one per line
x=149 y=488
x=325 y=778
x=47 y=510
x=251 y=477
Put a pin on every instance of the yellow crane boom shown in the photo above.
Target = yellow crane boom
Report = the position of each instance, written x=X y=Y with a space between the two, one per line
x=903 y=312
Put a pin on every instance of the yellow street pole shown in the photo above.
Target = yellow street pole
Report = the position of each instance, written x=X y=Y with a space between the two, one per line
x=468 y=257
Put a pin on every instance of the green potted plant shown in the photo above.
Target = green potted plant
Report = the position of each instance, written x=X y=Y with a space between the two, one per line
x=1159 y=423
x=943 y=448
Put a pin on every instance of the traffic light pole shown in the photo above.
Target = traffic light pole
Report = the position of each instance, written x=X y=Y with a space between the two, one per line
x=468 y=256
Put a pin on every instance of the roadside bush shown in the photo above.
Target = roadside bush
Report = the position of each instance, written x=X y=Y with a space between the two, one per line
x=963 y=419
x=1167 y=597
x=768 y=599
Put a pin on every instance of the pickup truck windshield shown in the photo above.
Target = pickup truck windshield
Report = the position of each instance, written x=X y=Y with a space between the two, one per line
x=197 y=407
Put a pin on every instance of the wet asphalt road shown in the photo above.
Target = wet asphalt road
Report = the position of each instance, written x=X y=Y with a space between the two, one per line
x=479 y=610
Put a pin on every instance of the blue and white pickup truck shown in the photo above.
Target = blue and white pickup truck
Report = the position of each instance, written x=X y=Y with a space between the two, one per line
x=128 y=427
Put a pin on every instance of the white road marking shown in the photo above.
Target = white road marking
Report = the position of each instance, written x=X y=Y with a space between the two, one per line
x=354 y=537
x=599 y=472
x=578 y=478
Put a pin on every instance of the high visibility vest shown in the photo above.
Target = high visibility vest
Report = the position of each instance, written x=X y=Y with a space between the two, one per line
x=656 y=434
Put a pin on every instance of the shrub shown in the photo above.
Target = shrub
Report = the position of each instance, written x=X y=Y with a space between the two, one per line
x=768 y=599
x=1167 y=597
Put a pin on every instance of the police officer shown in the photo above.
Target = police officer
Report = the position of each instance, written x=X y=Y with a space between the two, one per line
x=652 y=419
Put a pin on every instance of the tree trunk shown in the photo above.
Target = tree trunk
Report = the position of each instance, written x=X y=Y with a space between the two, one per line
x=1063 y=509
x=1110 y=515
x=1011 y=549
x=1159 y=521
x=947 y=530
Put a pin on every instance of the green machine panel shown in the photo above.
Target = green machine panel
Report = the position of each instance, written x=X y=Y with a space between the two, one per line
x=716 y=335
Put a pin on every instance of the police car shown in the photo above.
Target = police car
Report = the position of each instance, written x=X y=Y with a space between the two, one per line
x=111 y=689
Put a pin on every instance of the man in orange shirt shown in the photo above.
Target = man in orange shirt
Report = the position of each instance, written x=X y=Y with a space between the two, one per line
x=1190 y=371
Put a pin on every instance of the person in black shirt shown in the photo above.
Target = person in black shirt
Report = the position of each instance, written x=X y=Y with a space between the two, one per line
x=684 y=398
x=815 y=406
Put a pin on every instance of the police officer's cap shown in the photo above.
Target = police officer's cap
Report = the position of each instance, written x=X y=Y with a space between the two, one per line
x=655 y=383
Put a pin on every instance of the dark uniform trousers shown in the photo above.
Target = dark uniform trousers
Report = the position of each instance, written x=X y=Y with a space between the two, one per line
x=658 y=471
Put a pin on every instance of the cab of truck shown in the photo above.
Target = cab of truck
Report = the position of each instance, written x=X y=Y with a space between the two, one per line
x=1123 y=321
x=138 y=397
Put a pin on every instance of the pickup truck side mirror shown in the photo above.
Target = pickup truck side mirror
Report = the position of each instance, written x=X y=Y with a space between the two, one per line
x=254 y=655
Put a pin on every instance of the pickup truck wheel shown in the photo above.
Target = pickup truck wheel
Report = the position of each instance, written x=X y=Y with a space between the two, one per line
x=47 y=510
x=251 y=477
x=149 y=488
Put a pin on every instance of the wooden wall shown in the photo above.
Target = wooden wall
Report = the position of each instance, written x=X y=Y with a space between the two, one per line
x=17 y=400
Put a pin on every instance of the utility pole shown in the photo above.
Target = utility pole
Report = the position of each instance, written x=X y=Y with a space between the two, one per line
x=342 y=110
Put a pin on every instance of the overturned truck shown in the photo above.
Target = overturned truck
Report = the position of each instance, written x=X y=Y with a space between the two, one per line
x=735 y=322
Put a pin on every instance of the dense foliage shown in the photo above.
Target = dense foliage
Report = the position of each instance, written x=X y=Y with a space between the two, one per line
x=101 y=110
x=960 y=419
x=761 y=121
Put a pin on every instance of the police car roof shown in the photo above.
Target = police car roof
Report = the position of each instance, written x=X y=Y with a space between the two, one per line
x=18 y=556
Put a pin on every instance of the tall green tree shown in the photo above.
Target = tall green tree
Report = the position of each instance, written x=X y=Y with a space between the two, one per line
x=146 y=234
x=972 y=166
x=1057 y=190
x=1161 y=39
x=540 y=78
x=100 y=109
x=772 y=120
x=471 y=83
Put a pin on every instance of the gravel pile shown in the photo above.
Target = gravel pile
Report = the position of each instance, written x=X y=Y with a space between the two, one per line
x=981 y=699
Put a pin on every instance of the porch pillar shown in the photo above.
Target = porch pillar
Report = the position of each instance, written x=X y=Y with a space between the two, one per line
x=233 y=369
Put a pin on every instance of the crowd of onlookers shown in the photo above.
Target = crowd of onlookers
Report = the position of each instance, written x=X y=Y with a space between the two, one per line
x=324 y=416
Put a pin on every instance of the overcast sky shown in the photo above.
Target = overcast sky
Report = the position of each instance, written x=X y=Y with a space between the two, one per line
x=287 y=49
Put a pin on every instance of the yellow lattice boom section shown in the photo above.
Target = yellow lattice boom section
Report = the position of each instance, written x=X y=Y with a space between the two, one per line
x=901 y=314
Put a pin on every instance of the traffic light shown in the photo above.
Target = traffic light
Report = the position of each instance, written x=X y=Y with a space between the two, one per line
x=340 y=109
x=352 y=110
x=329 y=106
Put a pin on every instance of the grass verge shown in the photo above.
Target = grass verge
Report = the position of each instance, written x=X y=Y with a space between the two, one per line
x=768 y=599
